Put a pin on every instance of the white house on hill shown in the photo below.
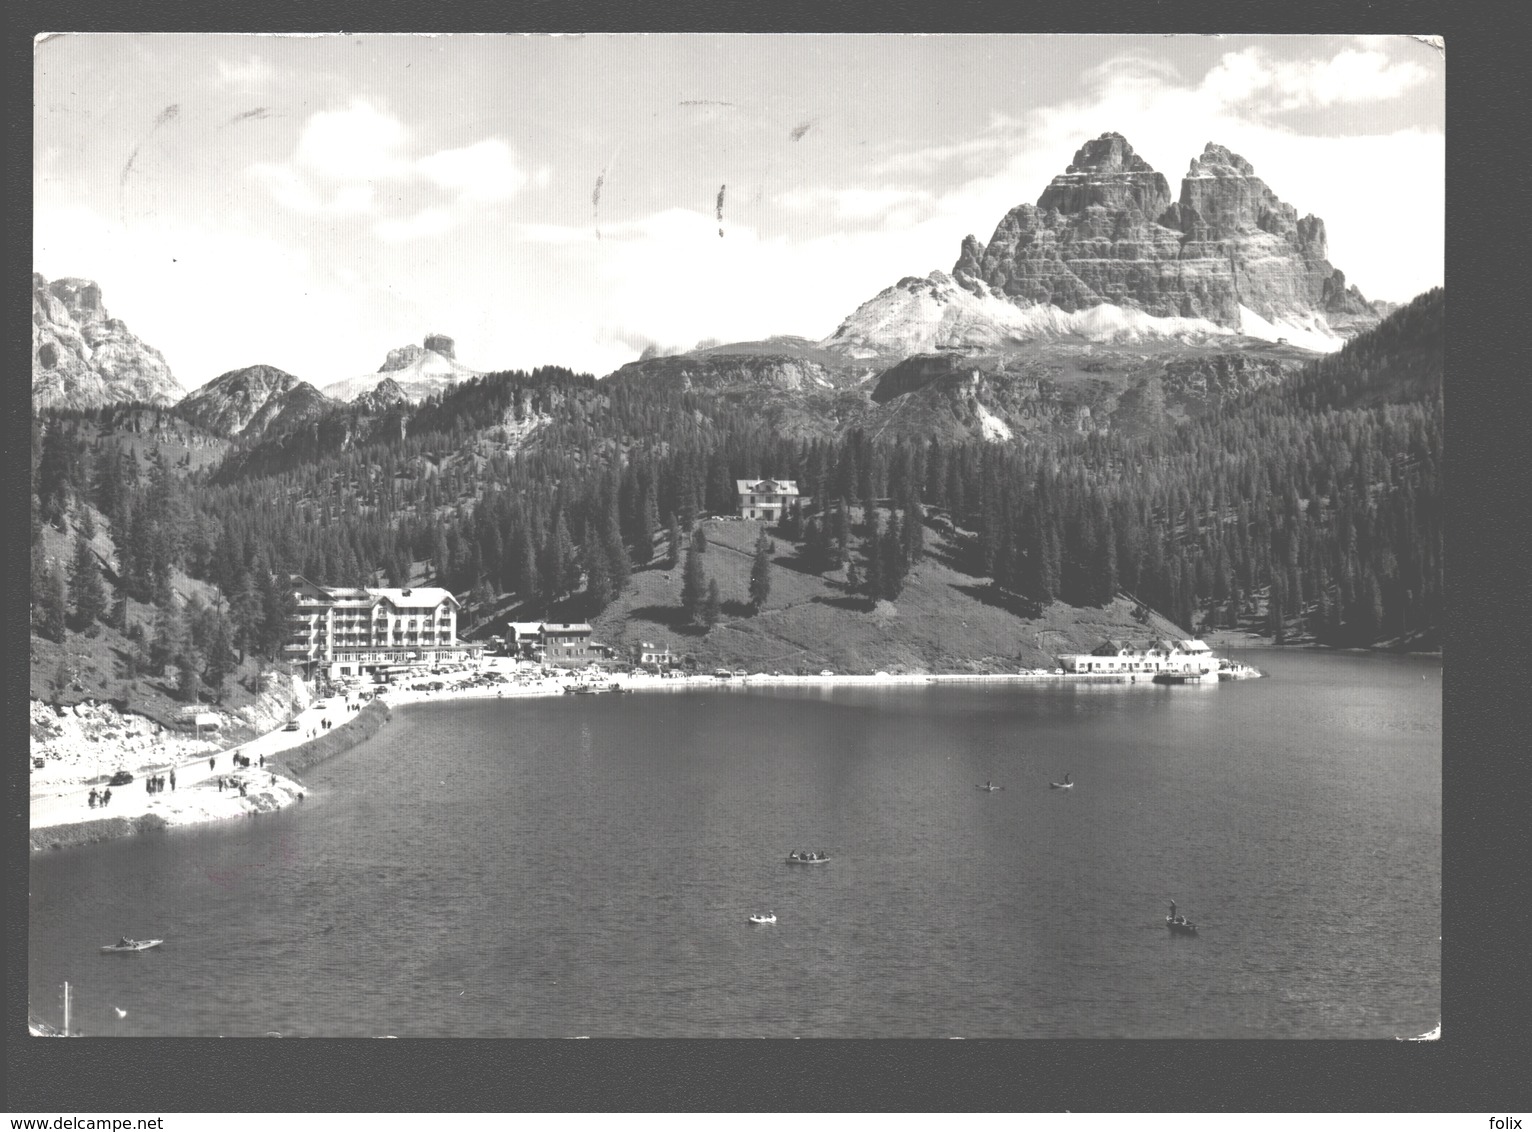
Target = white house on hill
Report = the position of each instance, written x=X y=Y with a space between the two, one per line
x=765 y=499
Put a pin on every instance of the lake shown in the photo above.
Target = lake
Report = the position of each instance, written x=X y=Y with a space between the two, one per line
x=585 y=865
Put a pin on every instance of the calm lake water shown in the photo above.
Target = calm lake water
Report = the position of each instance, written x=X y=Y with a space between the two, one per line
x=585 y=866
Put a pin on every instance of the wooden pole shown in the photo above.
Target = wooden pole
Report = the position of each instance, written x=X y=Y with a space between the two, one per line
x=66 y=1009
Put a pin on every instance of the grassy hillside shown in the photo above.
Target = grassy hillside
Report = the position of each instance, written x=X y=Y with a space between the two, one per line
x=946 y=620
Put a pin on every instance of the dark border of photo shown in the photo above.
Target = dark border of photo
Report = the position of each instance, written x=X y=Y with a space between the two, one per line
x=1471 y=1066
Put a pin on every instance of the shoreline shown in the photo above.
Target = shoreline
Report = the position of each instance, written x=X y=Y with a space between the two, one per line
x=271 y=782
x=602 y=684
x=209 y=787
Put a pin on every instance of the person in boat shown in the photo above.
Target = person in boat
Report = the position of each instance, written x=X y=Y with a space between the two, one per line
x=1173 y=919
x=124 y=942
x=1066 y=778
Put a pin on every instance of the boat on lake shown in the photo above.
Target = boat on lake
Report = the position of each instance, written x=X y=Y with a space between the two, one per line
x=988 y=787
x=1180 y=925
x=1065 y=785
x=768 y=918
x=808 y=859
x=125 y=945
x=1235 y=670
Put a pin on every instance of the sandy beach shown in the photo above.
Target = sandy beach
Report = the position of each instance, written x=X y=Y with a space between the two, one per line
x=207 y=781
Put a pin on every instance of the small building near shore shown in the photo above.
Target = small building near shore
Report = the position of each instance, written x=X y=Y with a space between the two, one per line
x=1191 y=657
x=524 y=639
x=646 y=652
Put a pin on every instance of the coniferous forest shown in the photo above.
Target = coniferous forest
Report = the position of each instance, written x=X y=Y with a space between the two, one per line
x=1314 y=505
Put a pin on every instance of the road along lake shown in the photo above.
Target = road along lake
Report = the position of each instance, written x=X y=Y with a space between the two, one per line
x=585 y=865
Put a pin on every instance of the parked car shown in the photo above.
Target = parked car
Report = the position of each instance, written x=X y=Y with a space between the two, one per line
x=290 y=725
x=121 y=778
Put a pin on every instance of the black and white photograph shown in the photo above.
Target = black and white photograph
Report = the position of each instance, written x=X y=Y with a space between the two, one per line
x=841 y=536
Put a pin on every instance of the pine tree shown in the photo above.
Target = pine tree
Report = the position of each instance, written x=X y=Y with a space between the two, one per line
x=760 y=572
x=672 y=542
x=63 y=675
x=914 y=533
x=526 y=573
x=711 y=607
x=616 y=553
x=85 y=592
x=892 y=555
x=840 y=541
x=52 y=614
x=189 y=683
x=53 y=475
x=872 y=551
x=220 y=659
x=693 y=585
x=648 y=525
x=598 y=574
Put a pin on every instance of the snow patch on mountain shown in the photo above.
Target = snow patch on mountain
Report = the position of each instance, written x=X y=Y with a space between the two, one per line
x=427 y=374
x=1310 y=333
x=925 y=315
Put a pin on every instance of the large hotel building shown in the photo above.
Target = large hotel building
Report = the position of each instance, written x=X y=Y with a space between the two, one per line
x=348 y=632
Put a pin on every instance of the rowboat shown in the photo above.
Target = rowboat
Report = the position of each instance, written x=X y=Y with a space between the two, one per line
x=805 y=859
x=125 y=945
x=1180 y=925
x=769 y=918
x=1062 y=785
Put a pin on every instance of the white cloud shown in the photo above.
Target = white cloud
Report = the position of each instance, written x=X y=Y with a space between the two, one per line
x=484 y=171
x=342 y=157
x=359 y=143
x=427 y=222
x=853 y=203
x=1351 y=76
x=296 y=192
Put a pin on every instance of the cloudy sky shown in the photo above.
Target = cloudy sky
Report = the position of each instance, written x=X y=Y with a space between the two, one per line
x=311 y=203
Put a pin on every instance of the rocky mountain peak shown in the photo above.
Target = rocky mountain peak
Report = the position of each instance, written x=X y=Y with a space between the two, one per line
x=1107 y=173
x=1106 y=232
x=81 y=298
x=406 y=356
x=246 y=402
x=381 y=397
x=83 y=358
x=1217 y=160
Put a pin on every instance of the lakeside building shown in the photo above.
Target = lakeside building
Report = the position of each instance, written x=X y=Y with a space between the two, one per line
x=565 y=643
x=766 y=499
x=649 y=653
x=524 y=639
x=553 y=642
x=351 y=631
x=1187 y=657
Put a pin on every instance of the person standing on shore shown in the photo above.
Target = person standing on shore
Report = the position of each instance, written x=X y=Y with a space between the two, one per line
x=172 y=779
x=210 y=764
x=93 y=797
